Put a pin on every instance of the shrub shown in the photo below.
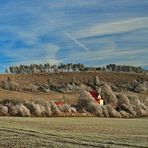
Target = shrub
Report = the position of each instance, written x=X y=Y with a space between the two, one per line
x=10 y=85
x=22 y=110
x=95 y=109
x=34 y=108
x=73 y=110
x=108 y=95
x=9 y=101
x=112 y=112
x=14 y=86
x=39 y=110
x=138 y=107
x=105 y=111
x=47 y=111
x=3 y=110
x=54 y=109
x=11 y=109
x=5 y=85
x=124 y=114
x=96 y=81
x=124 y=104
x=84 y=100
x=31 y=88
x=66 y=108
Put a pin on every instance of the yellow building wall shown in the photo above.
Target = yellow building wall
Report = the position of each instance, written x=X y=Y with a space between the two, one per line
x=101 y=102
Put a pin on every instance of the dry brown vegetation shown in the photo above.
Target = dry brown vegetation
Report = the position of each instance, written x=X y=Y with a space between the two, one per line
x=60 y=78
x=27 y=95
x=117 y=105
x=38 y=108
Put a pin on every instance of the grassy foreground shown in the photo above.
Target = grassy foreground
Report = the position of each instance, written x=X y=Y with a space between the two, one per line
x=73 y=132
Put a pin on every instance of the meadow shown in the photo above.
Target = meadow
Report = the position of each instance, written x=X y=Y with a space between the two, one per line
x=71 y=132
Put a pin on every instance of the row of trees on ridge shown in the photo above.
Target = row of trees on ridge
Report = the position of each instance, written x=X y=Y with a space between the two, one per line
x=70 y=67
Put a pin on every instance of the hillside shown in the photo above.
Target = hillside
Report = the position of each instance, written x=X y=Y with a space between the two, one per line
x=25 y=80
x=121 y=92
x=67 y=77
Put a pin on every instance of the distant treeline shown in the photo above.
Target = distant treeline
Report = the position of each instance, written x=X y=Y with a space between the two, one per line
x=48 y=68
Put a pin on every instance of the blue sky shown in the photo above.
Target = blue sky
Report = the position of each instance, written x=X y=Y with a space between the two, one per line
x=93 y=32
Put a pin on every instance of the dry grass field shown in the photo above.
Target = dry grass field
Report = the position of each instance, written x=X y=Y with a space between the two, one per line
x=70 y=98
x=73 y=132
x=66 y=77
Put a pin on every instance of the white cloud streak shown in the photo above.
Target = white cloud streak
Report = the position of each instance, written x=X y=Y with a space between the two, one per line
x=114 y=27
x=76 y=41
x=127 y=56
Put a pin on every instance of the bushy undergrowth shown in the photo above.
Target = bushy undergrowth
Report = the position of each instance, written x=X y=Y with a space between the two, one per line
x=84 y=100
x=9 y=84
x=124 y=104
x=116 y=106
x=3 y=110
x=108 y=95
x=39 y=108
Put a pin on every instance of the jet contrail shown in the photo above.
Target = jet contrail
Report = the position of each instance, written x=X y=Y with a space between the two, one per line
x=76 y=41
